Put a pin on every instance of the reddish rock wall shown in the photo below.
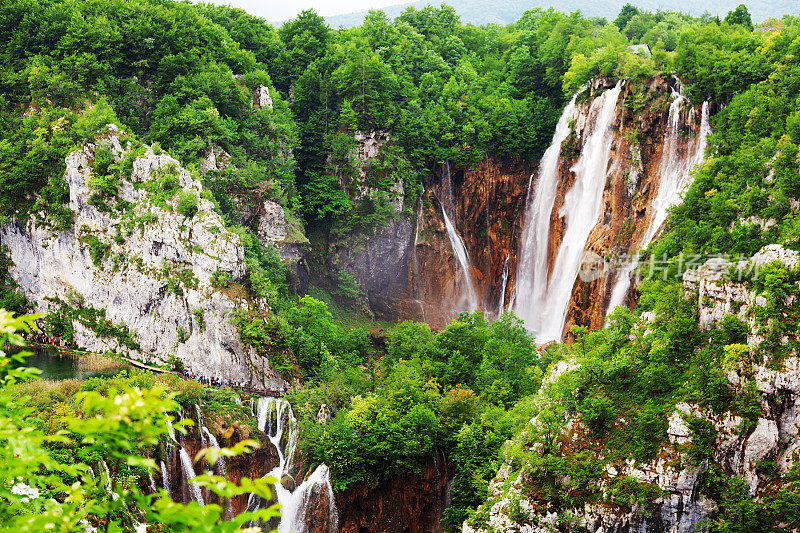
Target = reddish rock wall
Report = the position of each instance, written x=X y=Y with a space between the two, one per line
x=409 y=503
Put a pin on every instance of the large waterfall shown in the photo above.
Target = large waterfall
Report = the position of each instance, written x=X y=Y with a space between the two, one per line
x=531 y=286
x=674 y=176
x=544 y=308
x=469 y=298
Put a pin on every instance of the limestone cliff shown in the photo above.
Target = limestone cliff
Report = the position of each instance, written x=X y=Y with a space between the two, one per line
x=762 y=450
x=140 y=262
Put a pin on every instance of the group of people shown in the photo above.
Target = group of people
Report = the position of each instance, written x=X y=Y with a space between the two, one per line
x=218 y=382
x=41 y=338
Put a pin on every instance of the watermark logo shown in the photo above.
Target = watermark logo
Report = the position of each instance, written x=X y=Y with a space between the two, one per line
x=727 y=266
x=593 y=267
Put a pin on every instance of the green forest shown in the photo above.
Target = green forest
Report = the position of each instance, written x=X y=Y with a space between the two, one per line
x=180 y=78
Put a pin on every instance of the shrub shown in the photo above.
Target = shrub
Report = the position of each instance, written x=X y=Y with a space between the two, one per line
x=97 y=249
x=221 y=279
x=187 y=203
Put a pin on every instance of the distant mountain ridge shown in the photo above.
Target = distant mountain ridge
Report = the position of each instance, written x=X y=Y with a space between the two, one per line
x=505 y=12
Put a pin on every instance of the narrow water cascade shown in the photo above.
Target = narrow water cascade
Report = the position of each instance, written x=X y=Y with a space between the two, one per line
x=503 y=283
x=277 y=420
x=469 y=298
x=189 y=475
x=165 y=478
x=221 y=467
x=674 y=177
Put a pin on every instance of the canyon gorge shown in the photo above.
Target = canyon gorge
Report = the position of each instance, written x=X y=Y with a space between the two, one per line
x=414 y=276
x=557 y=239
x=545 y=241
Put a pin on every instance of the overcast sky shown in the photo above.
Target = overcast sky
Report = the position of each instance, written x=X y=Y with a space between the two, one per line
x=279 y=10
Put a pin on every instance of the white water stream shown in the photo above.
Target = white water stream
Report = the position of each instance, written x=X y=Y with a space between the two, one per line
x=540 y=302
x=469 y=299
x=674 y=177
x=276 y=419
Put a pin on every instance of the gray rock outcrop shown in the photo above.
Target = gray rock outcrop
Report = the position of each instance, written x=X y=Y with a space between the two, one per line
x=151 y=270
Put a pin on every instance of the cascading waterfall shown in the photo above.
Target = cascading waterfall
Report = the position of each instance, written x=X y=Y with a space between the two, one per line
x=294 y=510
x=540 y=302
x=171 y=430
x=674 y=177
x=188 y=475
x=469 y=300
x=503 y=284
x=582 y=208
x=276 y=419
x=222 y=469
x=212 y=443
x=165 y=479
x=531 y=286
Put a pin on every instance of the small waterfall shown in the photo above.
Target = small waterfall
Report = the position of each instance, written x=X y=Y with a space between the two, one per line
x=188 y=474
x=165 y=479
x=276 y=419
x=200 y=426
x=675 y=176
x=501 y=306
x=170 y=430
x=221 y=466
x=106 y=478
x=296 y=508
x=469 y=300
x=212 y=443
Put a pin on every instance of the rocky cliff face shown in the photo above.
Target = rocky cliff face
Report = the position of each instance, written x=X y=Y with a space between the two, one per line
x=411 y=503
x=680 y=501
x=142 y=264
x=486 y=205
x=379 y=256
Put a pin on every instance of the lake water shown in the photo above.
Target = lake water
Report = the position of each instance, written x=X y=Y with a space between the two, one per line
x=57 y=365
